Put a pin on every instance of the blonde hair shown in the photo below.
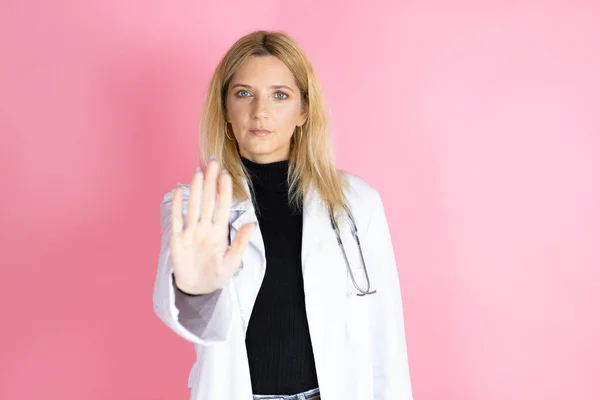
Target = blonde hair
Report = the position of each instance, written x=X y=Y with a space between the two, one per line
x=311 y=161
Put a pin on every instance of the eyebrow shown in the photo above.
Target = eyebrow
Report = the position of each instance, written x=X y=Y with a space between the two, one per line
x=272 y=86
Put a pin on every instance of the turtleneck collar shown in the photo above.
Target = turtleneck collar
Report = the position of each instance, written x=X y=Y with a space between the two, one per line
x=271 y=177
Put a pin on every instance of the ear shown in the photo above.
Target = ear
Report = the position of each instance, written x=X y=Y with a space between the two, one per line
x=303 y=115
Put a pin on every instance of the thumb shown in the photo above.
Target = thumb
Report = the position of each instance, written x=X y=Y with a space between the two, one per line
x=234 y=254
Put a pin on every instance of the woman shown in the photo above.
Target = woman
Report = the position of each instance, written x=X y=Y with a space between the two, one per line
x=251 y=270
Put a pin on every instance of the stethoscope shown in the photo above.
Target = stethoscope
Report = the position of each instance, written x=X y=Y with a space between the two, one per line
x=336 y=228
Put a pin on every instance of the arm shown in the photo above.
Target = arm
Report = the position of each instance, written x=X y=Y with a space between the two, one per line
x=201 y=319
x=391 y=376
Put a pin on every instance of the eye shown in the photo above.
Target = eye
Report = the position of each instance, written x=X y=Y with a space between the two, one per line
x=243 y=93
x=282 y=97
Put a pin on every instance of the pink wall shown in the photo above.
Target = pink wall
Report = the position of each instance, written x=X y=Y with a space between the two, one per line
x=479 y=124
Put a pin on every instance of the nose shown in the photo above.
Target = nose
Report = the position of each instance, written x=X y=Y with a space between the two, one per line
x=260 y=108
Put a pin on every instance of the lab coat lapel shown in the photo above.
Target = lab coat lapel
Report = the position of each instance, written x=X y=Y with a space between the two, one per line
x=315 y=222
x=324 y=284
x=248 y=280
x=243 y=212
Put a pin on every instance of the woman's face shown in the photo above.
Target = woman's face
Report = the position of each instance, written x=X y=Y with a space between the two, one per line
x=264 y=108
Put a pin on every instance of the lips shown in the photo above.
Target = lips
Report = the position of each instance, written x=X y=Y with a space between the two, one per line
x=260 y=132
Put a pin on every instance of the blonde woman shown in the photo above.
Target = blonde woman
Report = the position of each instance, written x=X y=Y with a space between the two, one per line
x=261 y=265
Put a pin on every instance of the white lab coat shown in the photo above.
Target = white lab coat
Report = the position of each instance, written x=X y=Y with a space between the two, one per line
x=358 y=342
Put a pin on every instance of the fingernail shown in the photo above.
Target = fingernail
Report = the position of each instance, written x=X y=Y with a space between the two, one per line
x=212 y=158
x=198 y=169
x=223 y=171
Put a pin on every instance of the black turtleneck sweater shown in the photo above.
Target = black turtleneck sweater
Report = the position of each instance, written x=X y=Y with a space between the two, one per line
x=278 y=341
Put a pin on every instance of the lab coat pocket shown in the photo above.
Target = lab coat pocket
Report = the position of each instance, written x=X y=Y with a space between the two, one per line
x=359 y=342
x=357 y=318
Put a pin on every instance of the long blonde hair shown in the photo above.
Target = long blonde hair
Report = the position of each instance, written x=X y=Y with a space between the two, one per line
x=311 y=162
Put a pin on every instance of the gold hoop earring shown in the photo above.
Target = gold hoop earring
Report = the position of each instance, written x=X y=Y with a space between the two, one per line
x=226 y=130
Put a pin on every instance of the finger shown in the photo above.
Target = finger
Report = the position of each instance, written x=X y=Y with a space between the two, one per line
x=224 y=200
x=176 y=213
x=234 y=254
x=193 y=211
x=209 y=193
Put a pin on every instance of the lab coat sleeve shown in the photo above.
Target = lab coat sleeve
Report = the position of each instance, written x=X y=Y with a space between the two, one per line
x=390 y=359
x=204 y=319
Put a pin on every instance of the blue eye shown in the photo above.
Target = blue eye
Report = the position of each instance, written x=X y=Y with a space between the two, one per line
x=285 y=96
x=243 y=91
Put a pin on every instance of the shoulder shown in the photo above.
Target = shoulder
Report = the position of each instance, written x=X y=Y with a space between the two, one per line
x=360 y=190
x=363 y=198
x=167 y=198
x=166 y=204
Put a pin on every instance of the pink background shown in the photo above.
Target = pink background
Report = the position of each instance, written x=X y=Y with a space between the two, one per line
x=479 y=124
